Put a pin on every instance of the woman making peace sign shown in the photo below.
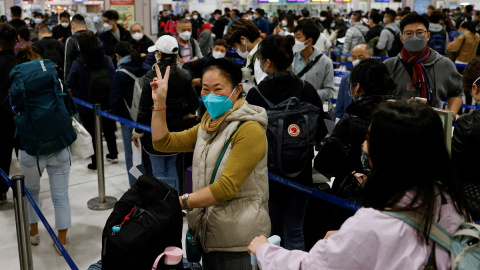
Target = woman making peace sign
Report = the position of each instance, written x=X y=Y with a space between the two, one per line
x=234 y=190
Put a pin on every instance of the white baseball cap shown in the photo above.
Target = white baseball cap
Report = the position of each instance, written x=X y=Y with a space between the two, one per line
x=165 y=44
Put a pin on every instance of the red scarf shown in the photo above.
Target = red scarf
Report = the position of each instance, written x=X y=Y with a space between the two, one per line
x=419 y=77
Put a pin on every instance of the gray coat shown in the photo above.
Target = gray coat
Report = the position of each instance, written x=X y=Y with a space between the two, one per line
x=205 y=41
x=320 y=75
x=355 y=35
x=445 y=80
x=386 y=37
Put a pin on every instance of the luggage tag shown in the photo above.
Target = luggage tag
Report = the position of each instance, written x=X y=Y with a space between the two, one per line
x=173 y=255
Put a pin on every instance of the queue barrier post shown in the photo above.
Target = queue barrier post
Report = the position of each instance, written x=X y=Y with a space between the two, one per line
x=101 y=202
x=21 y=220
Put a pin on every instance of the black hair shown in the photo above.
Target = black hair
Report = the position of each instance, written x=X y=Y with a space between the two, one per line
x=65 y=15
x=324 y=14
x=413 y=18
x=78 y=19
x=469 y=8
x=373 y=77
x=436 y=16
x=123 y=49
x=278 y=50
x=376 y=18
x=217 y=11
x=469 y=26
x=305 y=13
x=357 y=15
x=391 y=15
x=237 y=13
x=260 y=11
x=408 y=9
x=8 y=36
x=421 y=163
x=309 y=29
x=240 y=28
x=24 y=33
x=471 y=74
x=90 y=49
x=228 y=69
x=111 y=15
x=16 y=11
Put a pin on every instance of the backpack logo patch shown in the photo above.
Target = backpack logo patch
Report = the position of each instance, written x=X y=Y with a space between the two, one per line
x=293 y=130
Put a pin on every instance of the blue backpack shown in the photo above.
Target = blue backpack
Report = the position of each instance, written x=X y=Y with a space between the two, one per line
x=42 y=110
x=437 y=42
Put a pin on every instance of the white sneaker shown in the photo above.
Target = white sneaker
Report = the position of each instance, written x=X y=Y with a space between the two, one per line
x=35 y=239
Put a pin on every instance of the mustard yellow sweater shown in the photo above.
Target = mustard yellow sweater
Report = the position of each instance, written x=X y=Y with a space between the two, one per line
x=249 y=146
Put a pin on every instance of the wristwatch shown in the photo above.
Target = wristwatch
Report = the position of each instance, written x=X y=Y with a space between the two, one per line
x=184 y=200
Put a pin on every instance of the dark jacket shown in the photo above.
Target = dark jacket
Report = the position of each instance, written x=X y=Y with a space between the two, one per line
x=109 y=40
x=61 y=32
x=466 y=146
x=373 y=32
x=219 y=26
x=276 y=88
x=181 y=100
x=71 y=52
x=53 y=50
x=262 y=25
x=195 y=68
x=17 y=23
x=142 y=45
x=79 y=78
x=122 y=89
x=340 y=154
x=196 y=26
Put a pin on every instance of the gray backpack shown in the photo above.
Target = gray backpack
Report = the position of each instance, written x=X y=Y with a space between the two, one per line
x=137 y=93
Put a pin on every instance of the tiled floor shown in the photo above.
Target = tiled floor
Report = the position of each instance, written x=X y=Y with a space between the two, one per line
x=84 y=238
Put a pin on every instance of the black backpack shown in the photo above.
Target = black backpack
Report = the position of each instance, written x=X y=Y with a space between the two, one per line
x=151 y=220
x=99 y=83
x=437 y=42
x=397 y=44
x=291 y=134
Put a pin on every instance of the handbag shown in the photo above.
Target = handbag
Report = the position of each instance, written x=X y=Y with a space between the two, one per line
x=193 y=248
x=82 y=147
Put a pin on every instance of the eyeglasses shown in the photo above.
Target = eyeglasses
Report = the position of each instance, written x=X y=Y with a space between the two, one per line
x=408 y=34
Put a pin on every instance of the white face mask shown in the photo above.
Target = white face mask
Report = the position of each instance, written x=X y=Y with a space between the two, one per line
x=185 y=35
x=188 y=18
x=37 y=20
x=299 y=46
x=249 y=17
x=218 y=55
x=355 y=62
x=322 y=19
x=284 y=23
x=245 y=53
x=195 y=17
x=255 y=16
x=64 y=24
x=137 y=36
x=27 y=21
x=107 y=27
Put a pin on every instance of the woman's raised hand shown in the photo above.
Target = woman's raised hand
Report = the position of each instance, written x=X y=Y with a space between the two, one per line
x=160 y=86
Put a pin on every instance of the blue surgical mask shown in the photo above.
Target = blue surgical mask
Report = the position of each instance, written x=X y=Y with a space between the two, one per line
x=217 y=105
x=332 y=25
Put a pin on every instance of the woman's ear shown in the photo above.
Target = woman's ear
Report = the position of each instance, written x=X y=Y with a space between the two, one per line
x=238 y=89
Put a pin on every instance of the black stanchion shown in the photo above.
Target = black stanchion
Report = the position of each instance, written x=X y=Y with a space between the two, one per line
x=21 y=219
x=101 y=202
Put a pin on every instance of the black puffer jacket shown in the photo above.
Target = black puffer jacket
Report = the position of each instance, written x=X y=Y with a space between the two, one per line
x=181 y=100
x=340 y=153
x=466 y=146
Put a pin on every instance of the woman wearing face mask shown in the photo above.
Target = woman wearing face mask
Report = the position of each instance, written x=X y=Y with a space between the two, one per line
x=286 y=26
x=197 y=23
x=466 y=44
x=181 y=101
x=195 y=68
x=129 y=66
x=228 y=206
x=340 y=154
x=287 y=206
x=329 y=31
x=408 y=174
x=465 y=141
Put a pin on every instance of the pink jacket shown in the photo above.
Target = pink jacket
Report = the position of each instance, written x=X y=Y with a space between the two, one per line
x=368 y=240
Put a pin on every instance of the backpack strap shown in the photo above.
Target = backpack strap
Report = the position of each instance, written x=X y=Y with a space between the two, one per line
x=269 y=103
x=309 y=66
x=437 y=232
x=128 y=73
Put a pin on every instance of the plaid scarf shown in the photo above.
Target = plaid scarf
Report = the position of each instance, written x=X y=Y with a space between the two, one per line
x=419 y=77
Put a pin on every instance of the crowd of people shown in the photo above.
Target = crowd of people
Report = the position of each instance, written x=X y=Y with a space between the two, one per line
x=387 y=150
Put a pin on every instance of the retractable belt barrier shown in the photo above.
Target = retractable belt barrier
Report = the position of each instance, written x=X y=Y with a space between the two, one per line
x=55 y=239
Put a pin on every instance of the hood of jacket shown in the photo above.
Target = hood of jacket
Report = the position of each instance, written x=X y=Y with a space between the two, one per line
x=366 y=104
x=136 y=70
x=280 y=86
x=360 y=27
x=435 y=27
x=247 y=112
x=394 y=26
